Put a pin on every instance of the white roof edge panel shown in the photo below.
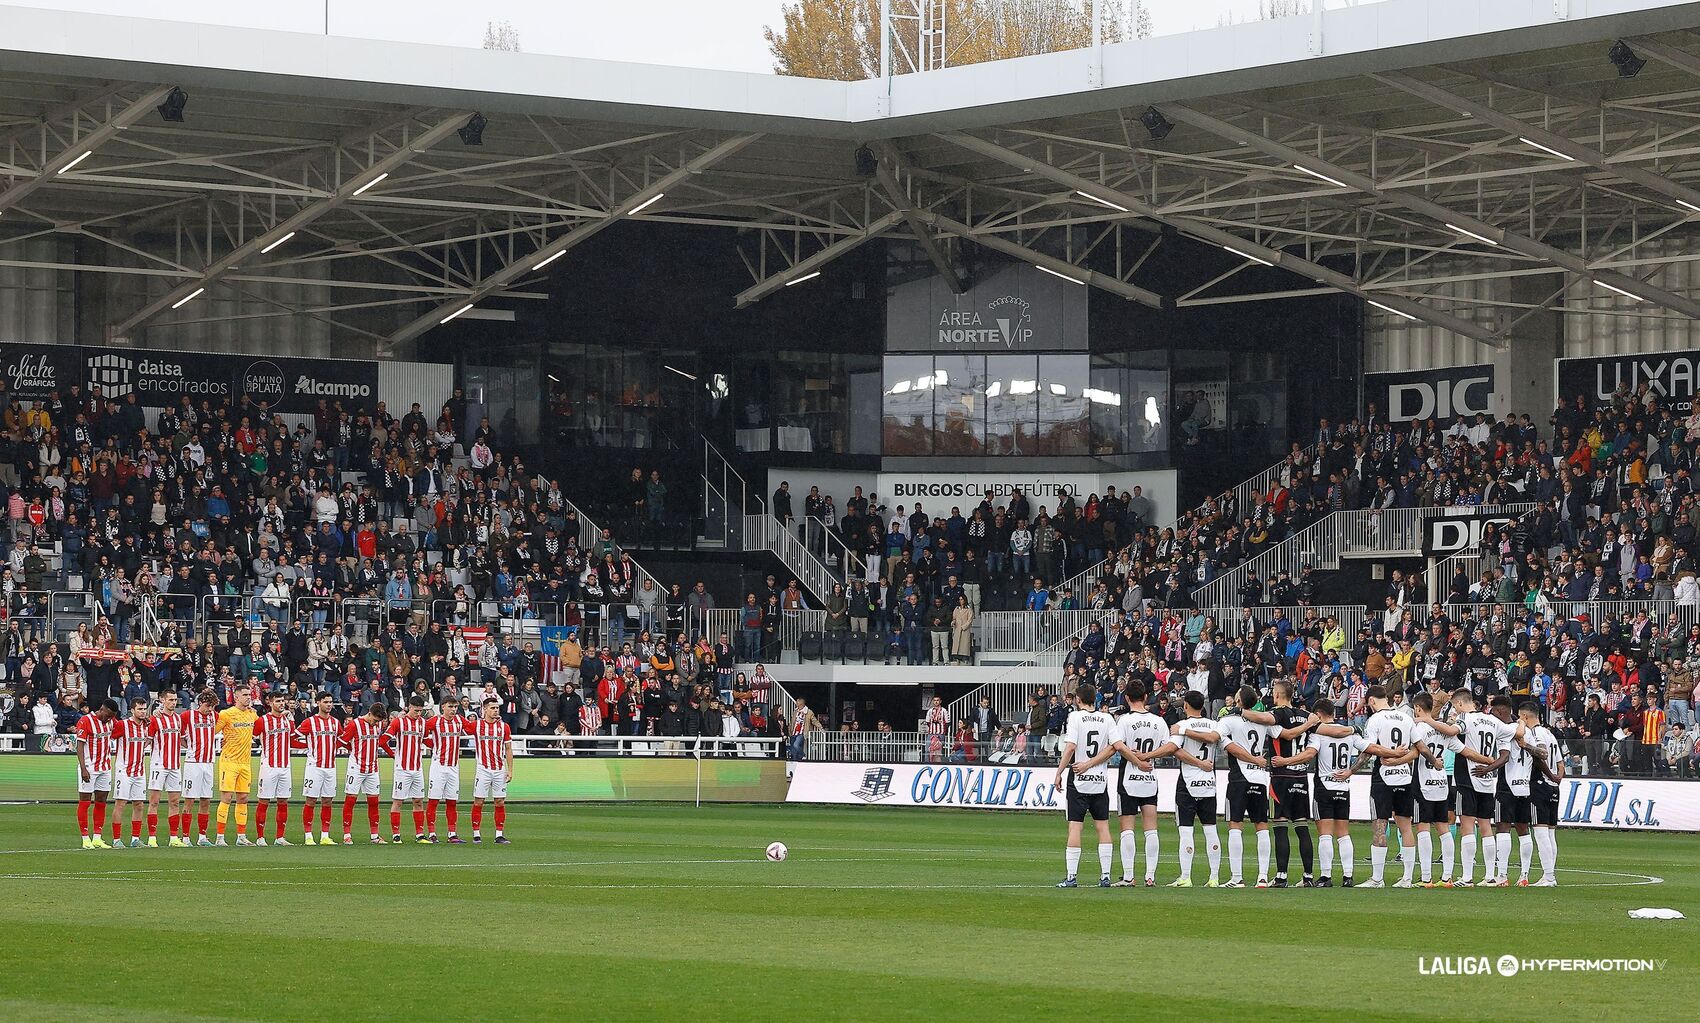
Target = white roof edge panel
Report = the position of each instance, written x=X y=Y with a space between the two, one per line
x=1376 y=36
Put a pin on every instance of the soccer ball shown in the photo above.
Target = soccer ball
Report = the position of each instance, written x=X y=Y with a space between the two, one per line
x=776 y=851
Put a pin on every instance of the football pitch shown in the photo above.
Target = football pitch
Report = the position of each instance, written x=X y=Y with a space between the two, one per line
x=665 y=911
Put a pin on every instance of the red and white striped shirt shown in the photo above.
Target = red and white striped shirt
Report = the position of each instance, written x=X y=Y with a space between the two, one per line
x=362 y=737
x=200 y=727
x=166 y=731
x=407 y=735
x=321 y=732
x=131 y=739
x=490 y=739
x=589 y=719
x=445 y=735
x=273 y=732
x=96 y=737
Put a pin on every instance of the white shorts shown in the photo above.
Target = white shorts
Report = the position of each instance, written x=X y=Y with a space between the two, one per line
x=129 y=787
x=319 y=783
x=361 y=783
x=99 y=781
x=198 y=781
x=274 y=783
x=445 y=783
x=407 y=785
x=488 y=784
x=163 y=780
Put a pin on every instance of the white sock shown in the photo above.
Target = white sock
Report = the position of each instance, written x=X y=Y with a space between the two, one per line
x=1407 y=862
x=1425 y=854
x=1525 y=854
x=1213 y=849
x=1106 y=856
x=1467 y=857
x=1263 y=855
x=1187 y=840
x=1377 y=862
x=1325 y=847
x=1152 y=846
x=1448 y=852
x=1345 y=844
x=1502 y=856
x=1546 y=843
x=1236 y=853
x=1073 y=857
x=1130 y=844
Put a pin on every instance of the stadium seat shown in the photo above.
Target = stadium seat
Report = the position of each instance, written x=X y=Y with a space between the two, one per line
x=809 y=647
x=832 y=648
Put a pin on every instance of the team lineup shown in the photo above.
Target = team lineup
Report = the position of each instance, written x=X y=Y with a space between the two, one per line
x=161 y=754
x=1503 y=781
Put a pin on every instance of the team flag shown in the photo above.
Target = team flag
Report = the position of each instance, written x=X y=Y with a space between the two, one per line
x=552 y=638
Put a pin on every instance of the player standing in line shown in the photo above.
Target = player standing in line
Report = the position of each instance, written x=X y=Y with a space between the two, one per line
x=1388 y=737
x=165 y=729
x=130 y=777
x=1139 y=732
x=94 y=770
x=406 y=735
x=1484 y=739
x=1193 y=741
x=318 y=735
x=492 y=743
x=1247 y=743
x=1435 y=738
x=235 y=728
x=443 y=734
x=1331 y=751
x=1516 y=812
x=275 y=730
x=1543 y=788
x=200 y=734
x=1089 y=733
x=363 y=738
x=1290 y=785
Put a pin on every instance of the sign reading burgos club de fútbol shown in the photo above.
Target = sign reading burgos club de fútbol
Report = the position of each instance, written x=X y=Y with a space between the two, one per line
x=1015 y=309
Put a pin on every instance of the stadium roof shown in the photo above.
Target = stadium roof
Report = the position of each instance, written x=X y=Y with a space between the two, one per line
x=1388 y=150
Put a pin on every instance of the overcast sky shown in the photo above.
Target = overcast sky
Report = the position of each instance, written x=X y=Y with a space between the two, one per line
x=723 y=34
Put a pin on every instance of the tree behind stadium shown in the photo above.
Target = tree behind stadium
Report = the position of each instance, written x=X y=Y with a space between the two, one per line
x=839 y=39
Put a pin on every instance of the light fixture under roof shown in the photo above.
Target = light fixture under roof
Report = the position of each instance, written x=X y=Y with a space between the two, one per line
x=1546 y=149
x=1101 y=202
x=1390 y=309
x=369 y=184
x=1620 y=291
x=647 y=203
x=1466 y=232
x=452 y=315
x=275 y=244
x=549 y=259
x=86 y=154
x=805 y=277
x=186 y=299
x=1247 y=255
x=1336 y=182
x=1058 y=273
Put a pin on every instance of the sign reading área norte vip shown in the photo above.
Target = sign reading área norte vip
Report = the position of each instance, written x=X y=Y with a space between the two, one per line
x=1014 y=309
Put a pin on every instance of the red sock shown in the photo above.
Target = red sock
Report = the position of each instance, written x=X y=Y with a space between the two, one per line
x=307 y=818
x=347 y=815
x=325 y=817
x=83 y=816
x=99 y=818
x=395 y=822
x=431 y=815
x=200 y=823
x=171 y=820
x=372 y=814
x=135 y=825
x=260 y=818
x=419 y=822
x=501 y=816
x=477 y=815
x=153 y=823
x=454 y=815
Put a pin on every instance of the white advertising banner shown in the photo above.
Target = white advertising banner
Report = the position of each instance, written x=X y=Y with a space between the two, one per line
x=1615 y=803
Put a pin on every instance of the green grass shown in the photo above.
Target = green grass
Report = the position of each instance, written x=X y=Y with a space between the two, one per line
x=639 y=912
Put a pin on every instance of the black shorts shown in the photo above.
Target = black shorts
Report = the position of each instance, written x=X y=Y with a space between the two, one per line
x=1545 y=801
x=1247 y=800
x=1190 y=808
x=1514 y=809
x=1332 y=805
x=1292 y=797
x=1131 y=805
x=1390 y=801
x=1479 y=805
x=1082 y=803
x=1433 y=811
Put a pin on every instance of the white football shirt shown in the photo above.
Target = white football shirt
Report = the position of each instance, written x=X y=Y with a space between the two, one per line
x=1393 y=729
x=1091 y=732
x=1198 y=780
x=1142 y=733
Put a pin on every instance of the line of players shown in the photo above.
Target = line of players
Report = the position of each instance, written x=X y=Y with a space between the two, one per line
x=113 y=758
x=1504 y=780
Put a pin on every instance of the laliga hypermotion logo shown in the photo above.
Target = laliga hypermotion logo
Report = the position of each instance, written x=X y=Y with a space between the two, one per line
x=1014 y=317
